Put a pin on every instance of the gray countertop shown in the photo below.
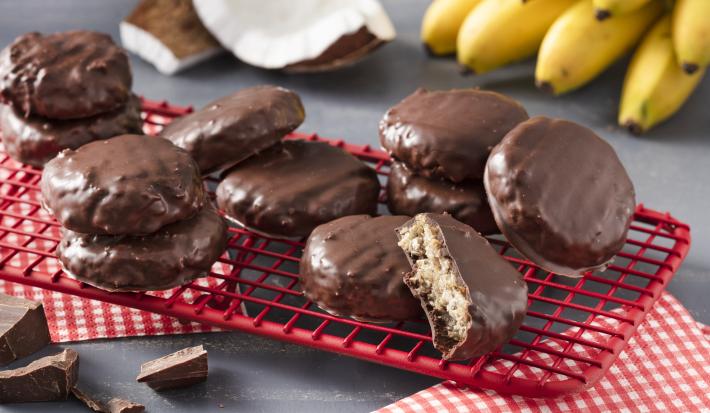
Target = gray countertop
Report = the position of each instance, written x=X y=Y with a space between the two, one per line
x=670 y=167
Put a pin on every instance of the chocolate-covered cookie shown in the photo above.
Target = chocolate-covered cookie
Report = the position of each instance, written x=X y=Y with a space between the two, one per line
x=173 y=255
x=66 y=75
x=448 y=133
x=130 y=184
x=291 y=188
x=411 y=194
x=36 y=140
x=560 y=195
x=474 y=299
x=237 y=126
x=352 y=267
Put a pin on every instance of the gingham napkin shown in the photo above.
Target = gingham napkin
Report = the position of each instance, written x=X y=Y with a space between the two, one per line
x=71 y=318
x=665 y=368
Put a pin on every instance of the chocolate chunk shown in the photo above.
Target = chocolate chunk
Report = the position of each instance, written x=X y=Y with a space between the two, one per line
x=180 y=369
x=290 y=189
x=448 y=133
x=67 y=75
x=352 y=267
x=237 y=126
x=173 y=255
x=130 y=184
x=560 y=195
x=90 y=401
x=115 y=405
x=23 y=328
x=46 y=379
x=410 y=194
x=474 y=299
x=35 y=140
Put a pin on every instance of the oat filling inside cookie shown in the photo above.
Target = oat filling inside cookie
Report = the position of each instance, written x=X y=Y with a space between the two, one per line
x=436 y=283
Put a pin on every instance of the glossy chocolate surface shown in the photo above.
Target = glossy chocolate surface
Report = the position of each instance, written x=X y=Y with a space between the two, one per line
x=177 y=253
x=448 y=133
x=290 y=189
x=497 y=291
x=180 y=369
x=409 y=194
x=352 y=267
x=130 y=184
x=23 y=328
x=237 y=126
x=35 y=140
x=560 y=195
x=66 y=75
x=46 y=379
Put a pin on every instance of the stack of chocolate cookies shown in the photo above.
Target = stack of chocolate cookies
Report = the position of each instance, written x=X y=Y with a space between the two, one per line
x=134 y=213
x=61 y=91
x=440 y=141
x=277 y=188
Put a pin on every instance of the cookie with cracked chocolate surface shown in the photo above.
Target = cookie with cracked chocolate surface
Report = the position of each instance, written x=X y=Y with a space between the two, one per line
x=130 y=184
x=560 y=195
x=172 y=256
x=448 y=133
x=291 y=188
x=235 y=127
x=409 y=194
x=352 y=267
x=65 y=75
x=35 y=140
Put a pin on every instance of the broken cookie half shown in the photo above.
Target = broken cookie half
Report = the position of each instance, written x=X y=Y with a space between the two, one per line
x=302 y=36
x=474 y=300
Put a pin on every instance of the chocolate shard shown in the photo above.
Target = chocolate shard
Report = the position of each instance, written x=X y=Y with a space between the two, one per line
x=46 y=379
x=90 y=401
x=115 y=405
x=23 y=328
x=180 y=369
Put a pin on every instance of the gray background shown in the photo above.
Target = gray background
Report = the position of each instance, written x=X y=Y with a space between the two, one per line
x=669 y=167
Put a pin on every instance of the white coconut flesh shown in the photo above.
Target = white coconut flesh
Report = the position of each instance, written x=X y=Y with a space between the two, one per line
x=276 y=34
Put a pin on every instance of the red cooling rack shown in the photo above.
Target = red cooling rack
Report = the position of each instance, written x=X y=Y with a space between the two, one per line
x=573 y=332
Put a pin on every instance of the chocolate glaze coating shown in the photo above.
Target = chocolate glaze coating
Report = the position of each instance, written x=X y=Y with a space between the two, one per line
x=35 y=140
x=130 y=184
x=291 y=188
x=352 y=267
x=237 y=126
x=560 y=195
x=66 y=75
x=498 y=293
x=410 y=194
x=448 y=133
x=174 y=255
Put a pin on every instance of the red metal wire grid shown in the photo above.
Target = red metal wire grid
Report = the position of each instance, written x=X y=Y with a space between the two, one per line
x=590 y=319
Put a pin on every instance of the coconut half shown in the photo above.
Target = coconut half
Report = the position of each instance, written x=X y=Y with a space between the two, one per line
x=297 y=36
x=168 y=34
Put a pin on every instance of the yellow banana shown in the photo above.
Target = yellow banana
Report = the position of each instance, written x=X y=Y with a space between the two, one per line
x=498 y=32
x=441 y=24
x=691 y=33
x=655 y=86
x=578 y=47
x=604 y=9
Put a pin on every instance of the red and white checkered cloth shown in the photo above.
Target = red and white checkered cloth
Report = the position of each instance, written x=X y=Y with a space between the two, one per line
x=71 y=318
x=666 y=367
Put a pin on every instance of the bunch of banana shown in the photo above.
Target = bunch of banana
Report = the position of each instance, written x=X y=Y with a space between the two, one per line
x=576 y=40
x=655 y=86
